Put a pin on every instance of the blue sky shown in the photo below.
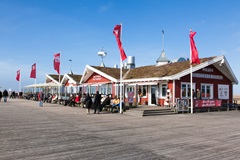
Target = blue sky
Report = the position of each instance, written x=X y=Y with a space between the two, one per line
x=32 y=31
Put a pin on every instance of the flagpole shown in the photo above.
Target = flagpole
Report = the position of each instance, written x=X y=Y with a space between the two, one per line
x=121 y=76
x=35 y=79
x=59 y=76
x=35 y=89
x=19 y=83
x=191 y=78
x=191 y=90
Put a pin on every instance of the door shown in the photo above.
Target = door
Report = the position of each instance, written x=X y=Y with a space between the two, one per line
x=152 y=94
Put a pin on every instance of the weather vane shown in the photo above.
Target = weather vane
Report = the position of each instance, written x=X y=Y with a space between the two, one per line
x=102 y=54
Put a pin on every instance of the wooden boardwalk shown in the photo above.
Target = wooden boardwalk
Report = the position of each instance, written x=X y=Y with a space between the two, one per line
x=56 y=132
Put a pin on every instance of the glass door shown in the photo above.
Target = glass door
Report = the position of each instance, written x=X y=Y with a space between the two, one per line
x=152 y=95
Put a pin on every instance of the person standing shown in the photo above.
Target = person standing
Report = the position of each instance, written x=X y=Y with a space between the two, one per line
x=41 y=98
x=198 y=94
x=5 y=95
x=88 y=103
x=0 y=96
x=97 y=103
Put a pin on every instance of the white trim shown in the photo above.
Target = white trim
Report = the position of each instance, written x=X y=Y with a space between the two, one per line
x=67 y=77
x=142 y=83
x=86 y=75
x=205 y=64
x=211 y=90
x=143 y=80
x=161 y=95
x=188 y=84
x=173 y=92
x=48 y=76
x=101 y=73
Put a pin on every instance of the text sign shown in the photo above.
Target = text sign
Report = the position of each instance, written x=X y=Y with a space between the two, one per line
x=207 y=103
x=130 y=97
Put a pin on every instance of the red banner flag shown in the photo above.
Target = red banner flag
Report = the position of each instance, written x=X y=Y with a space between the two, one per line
x=117 y=33
x=33 y=71
x=18 y=75
x=56 y=62
x=194 y=52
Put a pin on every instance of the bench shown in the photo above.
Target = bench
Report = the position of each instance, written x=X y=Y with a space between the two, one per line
x=107 y=108
x=116 y=108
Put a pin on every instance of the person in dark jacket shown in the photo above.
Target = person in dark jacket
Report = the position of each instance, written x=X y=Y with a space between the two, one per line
x=0 y=96
x=88 y=103
x=5 y=95
x=97 y=102
x=105 y=102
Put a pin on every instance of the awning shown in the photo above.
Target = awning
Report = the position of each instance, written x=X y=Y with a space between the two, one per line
x=42 y=85
x=95 y=84
x=143 y=83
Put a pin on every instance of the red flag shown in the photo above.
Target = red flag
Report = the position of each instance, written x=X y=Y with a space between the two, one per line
x=18 y=75
x=56 y=62
x=117 y=33
x=33 y=71
x=194 y=52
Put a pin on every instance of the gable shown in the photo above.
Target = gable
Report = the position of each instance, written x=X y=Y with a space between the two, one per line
x=97 y=78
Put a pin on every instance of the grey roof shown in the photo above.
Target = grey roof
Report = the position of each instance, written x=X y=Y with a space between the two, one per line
x=163 y=58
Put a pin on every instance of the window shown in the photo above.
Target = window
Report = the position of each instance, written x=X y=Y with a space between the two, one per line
x=142 y=90
x=93 y=89
x=103 y=89
x=109 y=89
x=129 y=89
x=207 y=91
x=88 y=89
x=185 y=90
x=163 y=90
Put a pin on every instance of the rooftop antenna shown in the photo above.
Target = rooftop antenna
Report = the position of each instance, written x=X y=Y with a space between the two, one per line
x=70 y=60
x=102 y=54
x=163 y=40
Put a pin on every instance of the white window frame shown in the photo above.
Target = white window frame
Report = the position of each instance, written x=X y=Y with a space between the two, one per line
x=161 y=90
x=129 y=88
x=103 y=89
x=141 y=87
x=188 y=85
x=93 y=89
x=211 y=90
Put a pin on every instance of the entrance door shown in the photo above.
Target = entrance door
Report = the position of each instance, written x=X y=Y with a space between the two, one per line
x=152 y=95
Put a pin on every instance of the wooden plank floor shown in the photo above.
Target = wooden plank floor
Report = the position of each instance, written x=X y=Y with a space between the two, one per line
x=55 y=132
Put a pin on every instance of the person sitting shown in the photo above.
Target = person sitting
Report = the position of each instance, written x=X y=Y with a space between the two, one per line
x=105 y=102
x=77 y=99
x=50 y=96
x=55 y=98
x=72 y=101
x=116 y=103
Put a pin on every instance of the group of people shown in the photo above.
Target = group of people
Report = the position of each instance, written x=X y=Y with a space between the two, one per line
x=97 y=104
x=100 y=102
x=73 y=100
x=4 y=95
